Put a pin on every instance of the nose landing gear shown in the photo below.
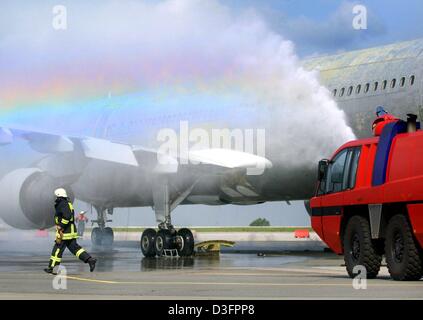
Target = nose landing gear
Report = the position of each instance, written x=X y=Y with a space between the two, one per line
x=102 y=235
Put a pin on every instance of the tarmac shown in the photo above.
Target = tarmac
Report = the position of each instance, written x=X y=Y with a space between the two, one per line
x=123 y=273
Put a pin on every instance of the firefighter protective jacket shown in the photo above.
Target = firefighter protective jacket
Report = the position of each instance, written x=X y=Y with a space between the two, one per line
x=65 y=218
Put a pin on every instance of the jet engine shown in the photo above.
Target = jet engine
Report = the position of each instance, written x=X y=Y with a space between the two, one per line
x=27 y=199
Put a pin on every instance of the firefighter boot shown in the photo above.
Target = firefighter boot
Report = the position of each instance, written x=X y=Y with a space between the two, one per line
x=91 y=262
x=49 y=270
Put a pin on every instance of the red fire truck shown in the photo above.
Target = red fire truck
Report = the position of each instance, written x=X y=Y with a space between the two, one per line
x=369 y=201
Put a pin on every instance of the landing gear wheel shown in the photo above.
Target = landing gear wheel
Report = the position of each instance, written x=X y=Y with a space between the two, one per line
x=147 y=243
x=96 y=236
x=185 y=242
x=359 y=248
x=402 y=255
x=163 y=241
x=108 y=237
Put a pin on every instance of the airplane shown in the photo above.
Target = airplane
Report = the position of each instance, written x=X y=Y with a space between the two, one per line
x=360 y=80
x=104 y=156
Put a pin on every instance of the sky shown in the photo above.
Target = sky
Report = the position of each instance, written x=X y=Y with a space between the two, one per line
x=317 y=27
x=321 y=27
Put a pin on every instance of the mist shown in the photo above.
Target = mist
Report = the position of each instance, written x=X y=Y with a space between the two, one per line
x=183 y=47
x=175 y=49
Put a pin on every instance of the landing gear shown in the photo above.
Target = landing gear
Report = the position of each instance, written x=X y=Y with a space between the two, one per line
x=148 y=239
x=157 y=243
x=108 y=236
x=102 y=235
x=96 y=236
x=167 y=241
x=185 y=242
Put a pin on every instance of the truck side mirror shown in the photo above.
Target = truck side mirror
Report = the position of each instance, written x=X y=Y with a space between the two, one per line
x=323 y=165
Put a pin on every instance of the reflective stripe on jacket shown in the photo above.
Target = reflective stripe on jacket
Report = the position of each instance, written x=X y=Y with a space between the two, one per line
x=65 y=218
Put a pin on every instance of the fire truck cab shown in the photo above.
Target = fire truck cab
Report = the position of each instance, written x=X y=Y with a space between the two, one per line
x=369 y=201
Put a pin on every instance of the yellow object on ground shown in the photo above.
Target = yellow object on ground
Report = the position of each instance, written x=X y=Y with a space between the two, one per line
x=212 y=246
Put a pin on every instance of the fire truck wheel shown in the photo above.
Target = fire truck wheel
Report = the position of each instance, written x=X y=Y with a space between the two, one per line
x=402 y=254
x=359 y=250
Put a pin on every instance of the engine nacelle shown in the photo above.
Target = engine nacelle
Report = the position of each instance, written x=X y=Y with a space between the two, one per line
x=27 y=199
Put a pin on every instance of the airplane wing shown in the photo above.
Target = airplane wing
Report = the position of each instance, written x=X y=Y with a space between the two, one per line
x=171 y=180
x=126 y=154
x=93 y=148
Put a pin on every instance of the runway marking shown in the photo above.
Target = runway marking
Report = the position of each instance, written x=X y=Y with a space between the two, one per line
x=275 y=272
x=312 y=271
x=238 y=283
x=91 y=280
x=79 y=296
x=247 y=274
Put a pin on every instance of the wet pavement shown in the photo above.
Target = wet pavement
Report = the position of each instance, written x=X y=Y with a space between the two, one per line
x=123 y=273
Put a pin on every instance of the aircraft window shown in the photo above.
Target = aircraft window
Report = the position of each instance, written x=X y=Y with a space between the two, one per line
x=366 y=88
x=358 y=89
x=342 y=92
x=350 y=89
x=334 y=92
x=384 y=84
x=402 y=82
x=393 y=83
x=412 y=78
x=375 y=86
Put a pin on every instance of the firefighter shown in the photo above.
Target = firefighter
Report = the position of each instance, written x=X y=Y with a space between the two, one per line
x=81 y=219
x=383 y=118
x=66 y=233
x=380 y=111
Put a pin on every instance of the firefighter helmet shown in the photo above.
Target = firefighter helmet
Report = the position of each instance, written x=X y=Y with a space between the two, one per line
x=380 y=111
x=60 y=193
